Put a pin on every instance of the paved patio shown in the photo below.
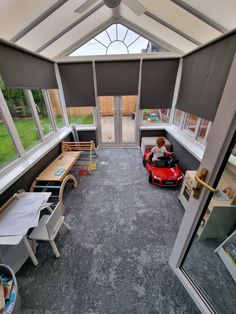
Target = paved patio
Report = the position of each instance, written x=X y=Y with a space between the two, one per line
x=128 y=129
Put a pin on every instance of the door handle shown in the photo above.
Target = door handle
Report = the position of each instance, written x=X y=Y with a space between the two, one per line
x=200 y=178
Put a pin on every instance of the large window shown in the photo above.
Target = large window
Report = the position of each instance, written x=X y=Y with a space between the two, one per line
x=191 y=123
x=203 y=130
x=56 y=107
x=155 y=116
x=22 y=115
x=27 y=118
x=117 y=39
x=80 y=115
x=178 y=117
x=43 y=111
x=7 y=149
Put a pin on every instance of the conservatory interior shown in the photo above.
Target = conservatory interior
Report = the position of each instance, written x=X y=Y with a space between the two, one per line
x=86 y=88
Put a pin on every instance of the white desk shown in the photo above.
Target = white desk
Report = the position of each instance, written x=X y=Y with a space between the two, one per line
x=10 y=237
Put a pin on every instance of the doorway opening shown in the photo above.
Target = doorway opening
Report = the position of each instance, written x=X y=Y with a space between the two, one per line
x=117 y=121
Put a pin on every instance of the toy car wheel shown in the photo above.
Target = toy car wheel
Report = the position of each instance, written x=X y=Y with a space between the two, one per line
x=150 y=178
x=144 y=162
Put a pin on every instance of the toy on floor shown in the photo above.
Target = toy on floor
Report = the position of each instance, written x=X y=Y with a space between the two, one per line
x=163 y=172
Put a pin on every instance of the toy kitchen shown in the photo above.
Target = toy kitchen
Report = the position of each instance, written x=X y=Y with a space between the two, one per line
x=222 y=206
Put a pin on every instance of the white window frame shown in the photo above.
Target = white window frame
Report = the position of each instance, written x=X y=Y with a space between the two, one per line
x=141 y=121
x=49 y=102
x=178 y=124
x=85 y=125
x=204 y=140
x=10 y=125
x=34 y=111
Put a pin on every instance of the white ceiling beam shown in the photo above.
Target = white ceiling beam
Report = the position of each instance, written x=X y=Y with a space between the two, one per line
x=70 y=27
x=156 y=40
x=133 y=56
x=171 y=27
x=200 y=15
x=37 y=21
x=85 y=39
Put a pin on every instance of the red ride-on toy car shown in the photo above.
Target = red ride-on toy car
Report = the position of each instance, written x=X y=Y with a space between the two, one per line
x=163 y=172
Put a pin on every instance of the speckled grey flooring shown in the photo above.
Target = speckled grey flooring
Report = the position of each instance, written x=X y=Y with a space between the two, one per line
x=206 y=268
x=115 y=258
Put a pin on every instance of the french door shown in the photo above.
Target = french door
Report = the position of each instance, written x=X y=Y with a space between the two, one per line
x=203 y=255
x=117 y=121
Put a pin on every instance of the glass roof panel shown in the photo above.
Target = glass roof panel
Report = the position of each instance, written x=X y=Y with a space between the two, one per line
x=130 y=37
x=139 y=46
x=117 y=47
x=92 y=47
x=103 y=38
x=122 y=30
x=111 y=30
x=116 y=39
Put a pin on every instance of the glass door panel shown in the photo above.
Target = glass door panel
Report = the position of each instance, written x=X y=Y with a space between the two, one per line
x=128 y=119
x=107 y=118
x=211 y=259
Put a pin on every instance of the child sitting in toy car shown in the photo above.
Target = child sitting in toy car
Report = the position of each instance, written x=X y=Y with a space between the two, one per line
x=159 y=151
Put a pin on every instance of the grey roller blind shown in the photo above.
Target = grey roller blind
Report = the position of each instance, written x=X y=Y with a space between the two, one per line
x=115 y=78
x=78 y=84
x=20 y=69
x=158 y=83
x=204 y=76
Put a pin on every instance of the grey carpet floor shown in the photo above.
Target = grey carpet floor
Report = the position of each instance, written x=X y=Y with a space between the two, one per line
x=115 y=258
x=206 y=269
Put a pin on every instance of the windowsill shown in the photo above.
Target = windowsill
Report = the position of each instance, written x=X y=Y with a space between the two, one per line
x=191 y=145
x=194 y=147
x=86 y=127
x=154 y=127
x=17 y=168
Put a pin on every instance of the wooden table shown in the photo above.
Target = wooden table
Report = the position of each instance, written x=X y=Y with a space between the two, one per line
x=56 y=175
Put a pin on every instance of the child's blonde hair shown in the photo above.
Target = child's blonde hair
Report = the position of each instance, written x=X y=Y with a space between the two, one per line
x=160 y=141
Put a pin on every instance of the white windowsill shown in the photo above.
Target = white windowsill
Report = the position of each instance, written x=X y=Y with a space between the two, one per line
x=191 y=145
x=17 y=168
x=154 y=127
x=86 y=128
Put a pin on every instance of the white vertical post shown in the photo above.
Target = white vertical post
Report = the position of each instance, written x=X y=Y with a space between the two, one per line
x=48 y=104
x=61 y=95
x=137 y=112
x=96 y=110
x=30 y=99
x=11 y=126
x=176 y=90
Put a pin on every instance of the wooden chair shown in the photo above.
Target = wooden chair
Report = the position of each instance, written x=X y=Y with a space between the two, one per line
x=48 y=228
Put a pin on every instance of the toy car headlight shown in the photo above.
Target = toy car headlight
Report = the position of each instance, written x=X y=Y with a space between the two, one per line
x=156 y=178
x=180 y=178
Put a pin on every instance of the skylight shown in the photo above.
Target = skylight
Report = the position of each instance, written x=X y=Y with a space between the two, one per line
x=116 y=39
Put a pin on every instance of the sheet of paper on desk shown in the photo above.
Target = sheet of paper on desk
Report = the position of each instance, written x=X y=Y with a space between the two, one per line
x=19 y=216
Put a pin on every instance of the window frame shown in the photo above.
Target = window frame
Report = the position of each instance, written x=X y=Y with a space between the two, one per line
x=141 y=121
x=49 y=103
x=21 y=152
x=179 y=125
x=85 y=125
x=196 y=131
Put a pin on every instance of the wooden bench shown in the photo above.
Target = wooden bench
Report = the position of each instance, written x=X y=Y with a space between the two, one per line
x=56 y=175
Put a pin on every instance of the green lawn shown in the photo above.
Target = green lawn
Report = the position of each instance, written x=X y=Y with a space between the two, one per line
x=29 y=135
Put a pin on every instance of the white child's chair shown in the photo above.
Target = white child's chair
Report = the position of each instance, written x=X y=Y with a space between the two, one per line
x=48 y=228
